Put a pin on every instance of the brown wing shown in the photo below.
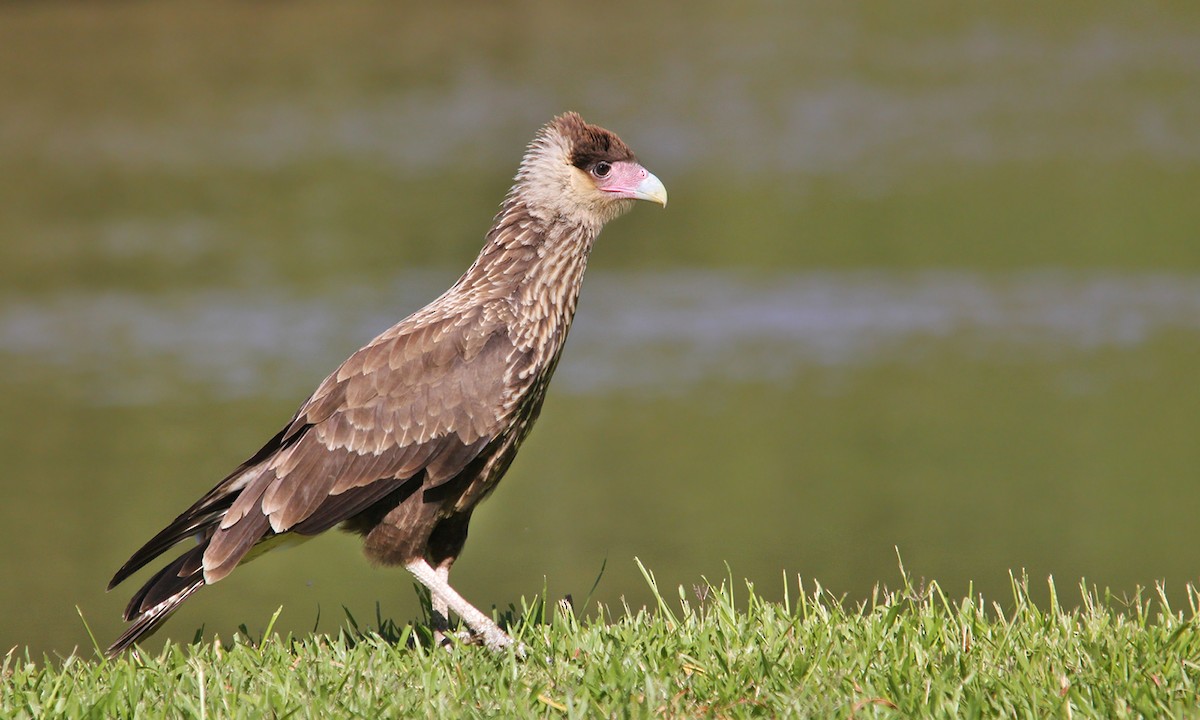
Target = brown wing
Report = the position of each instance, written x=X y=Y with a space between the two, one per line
x=417 y=400
x=425 y=401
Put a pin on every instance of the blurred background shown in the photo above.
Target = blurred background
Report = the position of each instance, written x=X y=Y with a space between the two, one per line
x=929 y=280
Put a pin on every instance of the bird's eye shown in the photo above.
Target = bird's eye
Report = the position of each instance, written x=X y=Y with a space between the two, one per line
x=602 y=169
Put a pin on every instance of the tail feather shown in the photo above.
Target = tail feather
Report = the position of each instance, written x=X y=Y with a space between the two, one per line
x=160 y=597
x=176 y=582
x=185 y=526
x=208 y=511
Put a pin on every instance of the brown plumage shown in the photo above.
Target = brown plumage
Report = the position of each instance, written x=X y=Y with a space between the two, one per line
x=411 y=432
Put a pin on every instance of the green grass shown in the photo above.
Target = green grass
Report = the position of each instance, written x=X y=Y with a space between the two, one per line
x=716 y=650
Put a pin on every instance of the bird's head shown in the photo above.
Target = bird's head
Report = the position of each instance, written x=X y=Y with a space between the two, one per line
x=583 y=172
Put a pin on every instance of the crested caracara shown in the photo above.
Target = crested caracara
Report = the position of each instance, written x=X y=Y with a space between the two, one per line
x=408 y=435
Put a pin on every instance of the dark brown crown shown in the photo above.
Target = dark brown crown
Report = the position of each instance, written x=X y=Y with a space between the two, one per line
x=591 y=143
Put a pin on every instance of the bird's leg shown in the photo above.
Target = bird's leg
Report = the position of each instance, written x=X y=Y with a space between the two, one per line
x=445 y=597
x=444 y=546
x=440 y=610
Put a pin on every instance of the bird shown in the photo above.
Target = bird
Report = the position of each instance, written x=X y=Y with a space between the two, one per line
x=408 y=435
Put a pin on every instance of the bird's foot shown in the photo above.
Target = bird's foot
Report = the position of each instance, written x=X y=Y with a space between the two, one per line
x=518 y=649
x=496 y=639
x=449 y=639
x=493 y=639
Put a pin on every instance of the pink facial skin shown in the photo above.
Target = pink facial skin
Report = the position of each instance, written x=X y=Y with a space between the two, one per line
x=629 y=180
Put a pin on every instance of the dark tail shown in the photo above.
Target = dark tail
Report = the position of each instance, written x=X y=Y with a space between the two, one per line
x=161 y=596
x=166 y=591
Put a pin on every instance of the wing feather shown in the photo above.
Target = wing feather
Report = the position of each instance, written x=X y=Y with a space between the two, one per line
x=420 y=402
x=340 y=506
x=229 y=545
x=288 y=502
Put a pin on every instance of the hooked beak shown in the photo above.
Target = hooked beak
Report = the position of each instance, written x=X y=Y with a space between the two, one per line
x=630 y=180
x=652 y=189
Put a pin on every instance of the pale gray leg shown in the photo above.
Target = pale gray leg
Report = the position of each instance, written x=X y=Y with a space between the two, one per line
x=445 y=598
x=443 y=576
x=441 y=611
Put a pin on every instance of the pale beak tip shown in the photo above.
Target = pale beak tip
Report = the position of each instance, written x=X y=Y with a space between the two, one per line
x=652 y=189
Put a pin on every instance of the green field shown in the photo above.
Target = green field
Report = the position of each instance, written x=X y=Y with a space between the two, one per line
x=714 y=650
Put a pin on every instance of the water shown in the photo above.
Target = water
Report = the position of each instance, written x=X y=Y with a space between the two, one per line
x=929 y=280
x=641 y=332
